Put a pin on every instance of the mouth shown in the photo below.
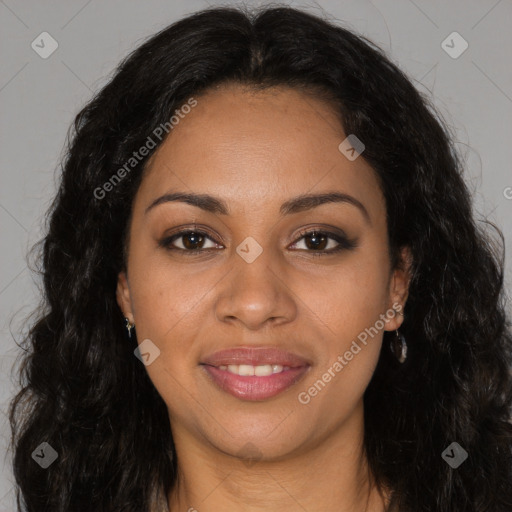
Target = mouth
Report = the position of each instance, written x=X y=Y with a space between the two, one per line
x=254 y=374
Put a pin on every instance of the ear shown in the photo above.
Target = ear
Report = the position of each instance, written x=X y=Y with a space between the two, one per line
x=123 y=296
x=399 y=288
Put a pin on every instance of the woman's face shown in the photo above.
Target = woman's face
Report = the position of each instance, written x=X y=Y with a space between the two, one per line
x=249 y=279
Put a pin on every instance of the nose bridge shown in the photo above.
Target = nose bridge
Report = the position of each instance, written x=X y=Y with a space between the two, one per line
x=255 y=290
x=254 y=279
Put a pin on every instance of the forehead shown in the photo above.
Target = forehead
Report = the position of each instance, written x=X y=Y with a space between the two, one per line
x=255 y=147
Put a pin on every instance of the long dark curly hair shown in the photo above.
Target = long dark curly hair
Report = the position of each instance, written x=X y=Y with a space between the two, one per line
x=84 y=392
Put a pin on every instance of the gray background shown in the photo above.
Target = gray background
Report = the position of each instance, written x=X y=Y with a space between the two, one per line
x=39 y=98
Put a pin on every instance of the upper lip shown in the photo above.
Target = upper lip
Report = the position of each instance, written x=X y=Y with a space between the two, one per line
x=255 y=357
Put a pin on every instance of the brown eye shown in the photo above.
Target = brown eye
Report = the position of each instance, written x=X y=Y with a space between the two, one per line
x=190 y=241
x=317 y=242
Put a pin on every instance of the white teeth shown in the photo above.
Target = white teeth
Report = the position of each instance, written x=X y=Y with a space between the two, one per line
x=263 y=370
x=247 y=370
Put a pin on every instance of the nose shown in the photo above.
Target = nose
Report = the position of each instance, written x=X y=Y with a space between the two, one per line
x=256 y=294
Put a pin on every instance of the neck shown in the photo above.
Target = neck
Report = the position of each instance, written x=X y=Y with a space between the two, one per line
x=331 y=475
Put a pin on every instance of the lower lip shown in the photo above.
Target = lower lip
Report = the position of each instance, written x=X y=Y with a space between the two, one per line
x=255 y=388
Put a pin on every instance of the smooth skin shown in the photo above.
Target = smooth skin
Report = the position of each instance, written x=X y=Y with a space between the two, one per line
x=255 y=151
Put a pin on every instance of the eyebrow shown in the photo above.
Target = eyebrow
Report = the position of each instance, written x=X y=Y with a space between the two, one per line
x=297 y=204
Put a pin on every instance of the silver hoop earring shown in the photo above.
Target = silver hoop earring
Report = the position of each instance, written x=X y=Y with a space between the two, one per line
x=129 y=328
x=399 y=347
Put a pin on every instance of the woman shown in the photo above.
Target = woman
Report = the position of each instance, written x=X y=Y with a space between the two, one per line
x=264 y=290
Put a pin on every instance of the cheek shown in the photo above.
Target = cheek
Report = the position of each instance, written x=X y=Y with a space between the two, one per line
x=170 y=301
x=350 y=319
x=351 y=296
x=164 y=302
x=167 y=308
x=347 y=308
x=159 y=290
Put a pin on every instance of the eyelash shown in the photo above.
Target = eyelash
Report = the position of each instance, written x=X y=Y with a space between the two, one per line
x=343 y=242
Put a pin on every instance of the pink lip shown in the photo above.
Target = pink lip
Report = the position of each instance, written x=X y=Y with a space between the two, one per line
x=252 y=387
x=255 y=388
x=255 y=356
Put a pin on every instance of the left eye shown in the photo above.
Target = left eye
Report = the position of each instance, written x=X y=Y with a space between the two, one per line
x=319 y=241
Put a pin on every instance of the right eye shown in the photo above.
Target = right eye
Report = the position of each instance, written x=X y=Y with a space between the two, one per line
x=191 y=241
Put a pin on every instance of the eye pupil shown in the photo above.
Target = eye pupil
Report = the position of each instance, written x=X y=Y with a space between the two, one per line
x=316 y=239
x=191 y=239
